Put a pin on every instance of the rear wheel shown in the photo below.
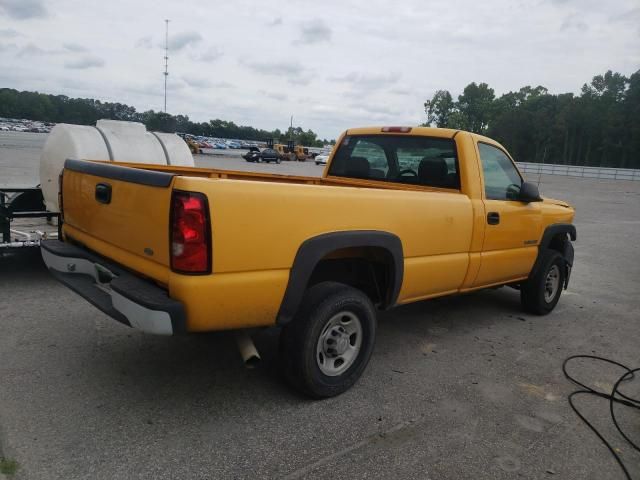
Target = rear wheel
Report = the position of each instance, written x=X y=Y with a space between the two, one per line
x=540 y=293
x=327 y=346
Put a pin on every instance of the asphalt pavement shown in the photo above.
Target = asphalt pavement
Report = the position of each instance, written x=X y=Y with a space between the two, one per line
x=465 y=387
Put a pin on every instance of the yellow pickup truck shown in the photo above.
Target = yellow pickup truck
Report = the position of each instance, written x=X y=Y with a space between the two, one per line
x=401 y=214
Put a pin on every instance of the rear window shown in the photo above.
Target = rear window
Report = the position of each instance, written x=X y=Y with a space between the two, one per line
x=414 y=160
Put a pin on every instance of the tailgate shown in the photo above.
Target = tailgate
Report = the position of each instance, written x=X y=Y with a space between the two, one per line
x=119 y=212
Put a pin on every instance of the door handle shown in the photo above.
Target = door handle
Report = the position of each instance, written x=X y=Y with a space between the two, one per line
x=493 y=218
x=103 y=193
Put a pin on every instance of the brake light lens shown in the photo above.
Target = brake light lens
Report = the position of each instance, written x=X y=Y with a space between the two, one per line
x=190 y=237
x=396 y=129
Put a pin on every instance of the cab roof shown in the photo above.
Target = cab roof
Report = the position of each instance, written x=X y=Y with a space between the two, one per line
x=416 y=131
x=421 y=131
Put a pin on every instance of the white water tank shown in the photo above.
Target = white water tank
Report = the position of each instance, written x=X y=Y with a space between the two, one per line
x=109 y=140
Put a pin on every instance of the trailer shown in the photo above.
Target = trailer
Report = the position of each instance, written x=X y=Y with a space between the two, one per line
x=24 y=219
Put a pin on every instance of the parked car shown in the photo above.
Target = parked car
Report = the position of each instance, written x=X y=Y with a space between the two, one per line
x=322 y=158
x=253 y=155
x=270 y=155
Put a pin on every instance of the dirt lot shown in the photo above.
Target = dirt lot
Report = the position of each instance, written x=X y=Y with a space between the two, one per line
x=464 y=387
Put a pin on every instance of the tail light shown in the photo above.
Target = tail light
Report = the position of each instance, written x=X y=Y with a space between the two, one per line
x=396 y=129
x=190 y=233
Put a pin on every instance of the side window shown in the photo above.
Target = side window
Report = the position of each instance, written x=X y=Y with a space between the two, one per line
x=501 y=179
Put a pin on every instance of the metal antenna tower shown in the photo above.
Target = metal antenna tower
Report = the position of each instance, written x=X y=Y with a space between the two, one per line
x=166 y=62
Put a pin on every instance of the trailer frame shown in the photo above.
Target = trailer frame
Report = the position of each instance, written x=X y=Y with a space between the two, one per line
x=23 y=203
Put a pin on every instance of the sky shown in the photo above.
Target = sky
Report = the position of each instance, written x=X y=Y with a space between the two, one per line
x=331 y=64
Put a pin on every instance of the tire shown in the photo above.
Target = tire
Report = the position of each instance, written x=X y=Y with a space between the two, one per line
x=540 y=293
x=328 y=344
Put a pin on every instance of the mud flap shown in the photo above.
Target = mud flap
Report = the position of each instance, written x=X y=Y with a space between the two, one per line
x=568 y=258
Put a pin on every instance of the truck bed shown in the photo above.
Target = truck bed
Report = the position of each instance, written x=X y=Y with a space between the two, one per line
x=270 y=177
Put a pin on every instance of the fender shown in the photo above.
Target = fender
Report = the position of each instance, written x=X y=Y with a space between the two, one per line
x=556 y=228
x=550 y=232
x=314 y=249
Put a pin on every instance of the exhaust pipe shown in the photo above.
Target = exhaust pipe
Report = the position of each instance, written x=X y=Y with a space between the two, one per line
x=247 y=348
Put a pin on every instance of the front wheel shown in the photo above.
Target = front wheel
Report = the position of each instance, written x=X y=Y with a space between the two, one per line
x=328 y=344
x=540 y=293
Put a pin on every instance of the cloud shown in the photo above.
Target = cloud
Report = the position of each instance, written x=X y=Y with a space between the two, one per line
x=276 y=96
x=9 y=33
x=144 y=42
x=5 y=47
x=367 y=81
x=196 y=82
x=223 y=85
x=24 y=9
x=300 y=81
x=147 y=89
x=32 y=50
x=289 y=69
x=315 y=31
x=376 y=110
x=401 y=91
x=182 y=40
x=293 y=71
x=211 y=54
x=573 y=22
x=85 y=62
x=630 y=16
x=74 y=47
x=275 y=22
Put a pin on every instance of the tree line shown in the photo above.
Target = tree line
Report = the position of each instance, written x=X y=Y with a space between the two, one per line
x=87 y=111
x=598 y=127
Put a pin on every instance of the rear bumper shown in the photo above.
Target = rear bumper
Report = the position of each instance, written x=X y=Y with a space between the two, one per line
x=125 y=297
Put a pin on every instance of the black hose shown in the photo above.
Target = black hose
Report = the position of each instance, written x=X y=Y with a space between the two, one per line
x=614 y=397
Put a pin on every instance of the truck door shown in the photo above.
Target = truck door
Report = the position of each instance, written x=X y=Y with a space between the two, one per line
x=512 y=228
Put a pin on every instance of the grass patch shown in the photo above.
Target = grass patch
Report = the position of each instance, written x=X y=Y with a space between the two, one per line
x=8 y=466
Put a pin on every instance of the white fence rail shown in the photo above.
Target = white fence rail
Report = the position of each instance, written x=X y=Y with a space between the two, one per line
x=574 y=171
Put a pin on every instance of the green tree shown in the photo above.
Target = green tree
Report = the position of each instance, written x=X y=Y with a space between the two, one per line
x=476 y=107
x=599 y=127
x=439 y=109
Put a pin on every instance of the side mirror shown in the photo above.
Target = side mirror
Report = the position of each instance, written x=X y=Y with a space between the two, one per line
x=529 y=193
